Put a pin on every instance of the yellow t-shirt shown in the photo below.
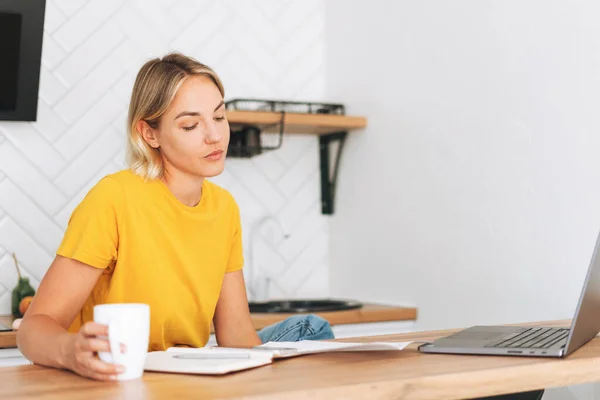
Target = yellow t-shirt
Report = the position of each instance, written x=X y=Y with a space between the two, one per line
x=156 y=250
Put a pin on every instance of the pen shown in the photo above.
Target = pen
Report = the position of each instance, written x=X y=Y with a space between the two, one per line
x=213 y=356
x=271 y=349
x=285 y=349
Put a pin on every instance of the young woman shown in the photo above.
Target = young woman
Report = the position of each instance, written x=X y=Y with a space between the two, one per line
x=157 y=233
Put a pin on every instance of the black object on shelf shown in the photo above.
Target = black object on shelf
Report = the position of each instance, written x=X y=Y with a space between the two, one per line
x=251 y=140
x=248 y=140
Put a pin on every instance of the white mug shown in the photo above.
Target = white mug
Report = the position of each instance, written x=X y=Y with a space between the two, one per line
x=128 y=324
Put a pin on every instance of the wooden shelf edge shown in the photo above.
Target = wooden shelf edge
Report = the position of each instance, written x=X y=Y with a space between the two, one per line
x=319 y=124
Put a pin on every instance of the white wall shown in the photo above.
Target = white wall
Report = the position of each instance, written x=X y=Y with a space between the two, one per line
x=92 y=50
x=474 y=192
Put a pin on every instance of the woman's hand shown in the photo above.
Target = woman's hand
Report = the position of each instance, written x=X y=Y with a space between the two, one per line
x=81 y=353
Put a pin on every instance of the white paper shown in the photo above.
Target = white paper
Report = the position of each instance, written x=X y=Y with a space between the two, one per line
x=168 y=361
x=290 y=349
x=222 y=350
x=260 y=355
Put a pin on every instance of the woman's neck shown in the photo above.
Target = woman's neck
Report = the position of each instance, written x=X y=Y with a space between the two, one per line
x=186 y=188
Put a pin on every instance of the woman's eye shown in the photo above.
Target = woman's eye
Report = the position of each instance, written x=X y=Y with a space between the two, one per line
x=219 y=118
x=189 y=128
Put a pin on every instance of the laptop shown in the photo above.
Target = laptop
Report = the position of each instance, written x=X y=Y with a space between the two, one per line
x=534 y=341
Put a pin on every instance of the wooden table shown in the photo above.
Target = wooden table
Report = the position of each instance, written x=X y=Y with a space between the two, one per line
x=370 y=375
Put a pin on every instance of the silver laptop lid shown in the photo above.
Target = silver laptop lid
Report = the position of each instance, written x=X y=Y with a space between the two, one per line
x=586 y=323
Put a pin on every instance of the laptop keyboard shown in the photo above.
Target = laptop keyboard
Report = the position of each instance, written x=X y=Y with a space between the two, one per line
x=533 y=338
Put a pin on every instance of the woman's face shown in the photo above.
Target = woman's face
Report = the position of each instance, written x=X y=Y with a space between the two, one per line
x=193 y=133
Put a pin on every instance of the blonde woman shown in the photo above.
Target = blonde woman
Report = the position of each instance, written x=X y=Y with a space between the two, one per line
x=157 y=233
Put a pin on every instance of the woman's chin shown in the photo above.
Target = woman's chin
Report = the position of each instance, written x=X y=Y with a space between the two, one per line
x=212 y=171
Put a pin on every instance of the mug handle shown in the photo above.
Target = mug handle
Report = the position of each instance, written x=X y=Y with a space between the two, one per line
x=114 y=342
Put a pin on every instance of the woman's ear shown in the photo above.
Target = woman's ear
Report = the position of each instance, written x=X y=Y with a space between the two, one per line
x=148 y=134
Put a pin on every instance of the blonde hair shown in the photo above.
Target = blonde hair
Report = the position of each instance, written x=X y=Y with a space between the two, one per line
x=155 y=87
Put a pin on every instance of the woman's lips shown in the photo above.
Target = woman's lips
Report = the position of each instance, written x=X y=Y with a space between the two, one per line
x=215 y=155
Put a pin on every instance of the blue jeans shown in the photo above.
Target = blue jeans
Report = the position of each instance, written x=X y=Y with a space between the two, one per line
x=296 y=328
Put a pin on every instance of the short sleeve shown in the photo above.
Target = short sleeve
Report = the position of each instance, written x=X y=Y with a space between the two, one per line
x=92 y=235
x=236 y=256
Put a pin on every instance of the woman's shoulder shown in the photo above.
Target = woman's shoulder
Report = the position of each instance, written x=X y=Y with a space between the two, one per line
x=113 y=185
x=124 y=177
x=119 y=180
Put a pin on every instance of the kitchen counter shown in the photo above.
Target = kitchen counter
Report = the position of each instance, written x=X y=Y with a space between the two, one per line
x=7 y=339
x=368 y=313
x=406 y=374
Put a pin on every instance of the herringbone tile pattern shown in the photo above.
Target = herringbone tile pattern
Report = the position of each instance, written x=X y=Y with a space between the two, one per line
x=92 y=50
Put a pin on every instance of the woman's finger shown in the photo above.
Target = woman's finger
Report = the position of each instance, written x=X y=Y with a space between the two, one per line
x=96 y=345
x=99 y=377
x=97 y=366
x=94 y=329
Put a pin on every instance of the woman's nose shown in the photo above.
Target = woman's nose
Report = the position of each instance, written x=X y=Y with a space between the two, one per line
x=212 y=134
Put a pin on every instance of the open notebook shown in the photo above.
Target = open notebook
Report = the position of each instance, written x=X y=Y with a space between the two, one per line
x=223 y=360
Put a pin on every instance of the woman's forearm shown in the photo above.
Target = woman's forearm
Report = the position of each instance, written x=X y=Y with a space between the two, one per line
x=239 y=338
x=43 y=341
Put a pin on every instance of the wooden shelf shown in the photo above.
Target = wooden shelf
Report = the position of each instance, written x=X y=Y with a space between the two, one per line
x=319 y=124
x=330 y=128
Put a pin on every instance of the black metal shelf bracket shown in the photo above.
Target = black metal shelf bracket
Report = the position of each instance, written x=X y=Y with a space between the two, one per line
x=329 y=170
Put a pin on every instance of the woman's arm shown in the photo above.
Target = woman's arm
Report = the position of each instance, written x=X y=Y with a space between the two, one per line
x=42 y=336
x=233 y=326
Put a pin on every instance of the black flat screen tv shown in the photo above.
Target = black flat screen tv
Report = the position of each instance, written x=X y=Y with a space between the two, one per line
x=21 y=31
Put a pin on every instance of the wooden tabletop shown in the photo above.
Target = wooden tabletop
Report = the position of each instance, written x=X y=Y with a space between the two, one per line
x=406 y=374
x=368 y=313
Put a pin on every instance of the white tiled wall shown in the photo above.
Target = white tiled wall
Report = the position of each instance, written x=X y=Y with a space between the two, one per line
x=92 y=50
